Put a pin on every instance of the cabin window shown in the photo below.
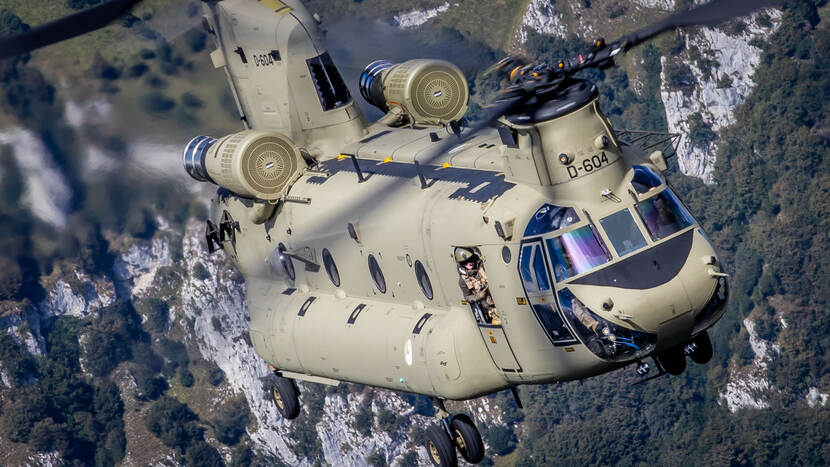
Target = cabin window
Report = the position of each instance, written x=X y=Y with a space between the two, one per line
x=549 y=218
x=664 y=215
x=576 y=252
x=623 y=232
x=331 y=89
x=377 y=274
x=645 y=179
x=423 y=280
x=331 y=268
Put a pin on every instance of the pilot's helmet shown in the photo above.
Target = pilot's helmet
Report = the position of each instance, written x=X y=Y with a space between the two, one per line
x=465 y=255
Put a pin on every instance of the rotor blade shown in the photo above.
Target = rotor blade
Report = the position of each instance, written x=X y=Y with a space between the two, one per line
x=709 y=14
x=506 y=107
x=64 y=28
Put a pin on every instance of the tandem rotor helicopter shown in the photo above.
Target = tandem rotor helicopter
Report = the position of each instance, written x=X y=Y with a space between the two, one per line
x=418 y=255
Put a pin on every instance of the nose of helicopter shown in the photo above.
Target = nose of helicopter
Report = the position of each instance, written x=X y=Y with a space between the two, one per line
x=677 y=292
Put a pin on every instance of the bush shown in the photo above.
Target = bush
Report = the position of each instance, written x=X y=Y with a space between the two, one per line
x=186 y=378
x=387 y=420
x=172 y=423
x=20 y=413
x=49 y=436
x=501 y=439
x=196 y=39
x=202 y=454
x=152 y=388
x=11 y=278
x=232 y=420
x=157 y=104
x=154 y=311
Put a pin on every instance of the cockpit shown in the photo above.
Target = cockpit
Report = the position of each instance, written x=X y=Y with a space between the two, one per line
x=562 y=246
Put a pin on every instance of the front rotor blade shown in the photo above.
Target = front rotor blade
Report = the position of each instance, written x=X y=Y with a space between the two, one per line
x=64 y=28
x=709 y=14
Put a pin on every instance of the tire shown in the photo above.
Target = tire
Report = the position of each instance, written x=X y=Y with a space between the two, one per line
x=439 y=447
x=703 y=352
x=284 y=393
x=673 y=361
x=467 y=439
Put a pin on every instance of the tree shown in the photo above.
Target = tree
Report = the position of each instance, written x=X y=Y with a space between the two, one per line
x=11 y=278
x=172 y=422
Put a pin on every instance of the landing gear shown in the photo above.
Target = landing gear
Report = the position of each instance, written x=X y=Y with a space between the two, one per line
x=699 y=349
x=285 y=395
x=439 y=447
x=450 y=433
x=467 y=439
x=673 y=360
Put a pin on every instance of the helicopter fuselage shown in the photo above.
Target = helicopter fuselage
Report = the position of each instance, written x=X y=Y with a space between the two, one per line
x=319 y=308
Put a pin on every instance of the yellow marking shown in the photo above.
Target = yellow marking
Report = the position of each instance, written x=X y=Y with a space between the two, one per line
x=446 y=165
x=521 y=301
x=463 y=302
x=542 y=299
x=501 y=173
x=490 y=332
x=388 y=159
x=569 y=349
x=342 y=156
x=493 y=339
x=277 y=6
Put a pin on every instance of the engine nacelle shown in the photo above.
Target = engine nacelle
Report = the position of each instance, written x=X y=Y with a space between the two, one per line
x=429 y=91
x=251 y=163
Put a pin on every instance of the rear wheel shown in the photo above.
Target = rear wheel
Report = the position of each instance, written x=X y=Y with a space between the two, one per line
x=703 y=349
x=285 y=397
x=673 y=360
x=439 y=447
x=467 y=439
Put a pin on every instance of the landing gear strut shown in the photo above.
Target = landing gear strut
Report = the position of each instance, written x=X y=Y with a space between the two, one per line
x=453 y=432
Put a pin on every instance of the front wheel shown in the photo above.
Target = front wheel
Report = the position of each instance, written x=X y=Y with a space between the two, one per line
x=439 y=447
x=286 y=398
x=467 y=439
x=702 y=352
x=673 y=360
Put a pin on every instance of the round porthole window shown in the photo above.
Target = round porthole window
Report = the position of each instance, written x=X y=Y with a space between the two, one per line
x=377 y=274
x=423 y=280
x=331 y=268
x=505 y=254
x=287 y=264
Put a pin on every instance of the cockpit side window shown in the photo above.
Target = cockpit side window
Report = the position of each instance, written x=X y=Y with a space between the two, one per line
x=524 y=266
x=539 y=268
x=645 y=179
x=664 y=215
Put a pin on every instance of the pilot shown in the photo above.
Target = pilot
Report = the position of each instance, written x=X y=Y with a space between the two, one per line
x=474 y=285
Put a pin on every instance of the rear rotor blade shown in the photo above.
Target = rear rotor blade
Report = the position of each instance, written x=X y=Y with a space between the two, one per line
x=64 y=28
x=507 y=107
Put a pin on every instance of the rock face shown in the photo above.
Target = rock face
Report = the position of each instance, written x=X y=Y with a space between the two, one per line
x=748 y=387
x=541 y=17
x=415 y=18
x=702 y=99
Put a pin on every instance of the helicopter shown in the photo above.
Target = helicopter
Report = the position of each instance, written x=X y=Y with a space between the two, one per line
x=420 y=255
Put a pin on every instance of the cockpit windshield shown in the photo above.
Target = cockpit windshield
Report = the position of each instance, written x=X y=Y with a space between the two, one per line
x=664 y=215
x=576 y=252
